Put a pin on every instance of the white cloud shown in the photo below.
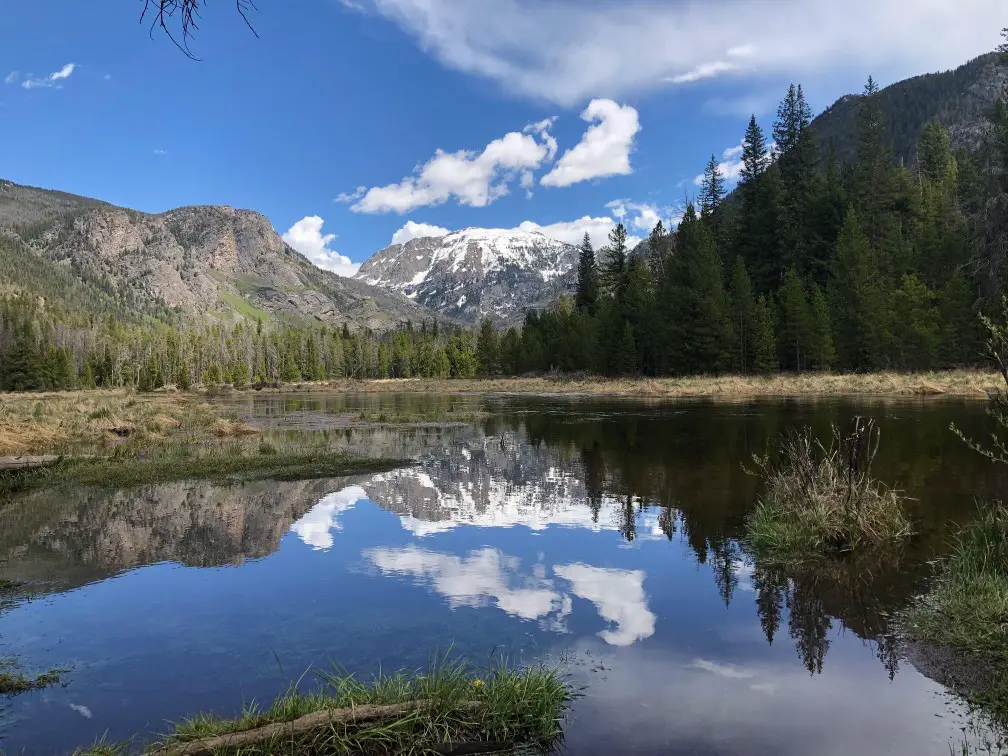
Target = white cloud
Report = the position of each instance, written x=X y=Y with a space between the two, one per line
x=159 y=151
x=573 y=232
x=644 y=216
x=51 y=80
x=417 y=231
x=731 y=166
x=316 y=527
x=353 y=196
x=11 y=78
x=728 y=671
x=567 y=51
x=84 y=711
x=473 y=179
x=307 y=238
x=704 y=71
x=604 y=150
x=485 y=576
x=618 y=596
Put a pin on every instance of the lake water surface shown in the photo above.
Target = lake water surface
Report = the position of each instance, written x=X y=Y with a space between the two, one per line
x=599 y=534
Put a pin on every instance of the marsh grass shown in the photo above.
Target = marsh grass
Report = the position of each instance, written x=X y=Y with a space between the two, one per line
x=440 y=415
x=95 y=421
x=967 y=610
x=971 y=383
x=515 y=706
x=822 y=501
x=14 y=682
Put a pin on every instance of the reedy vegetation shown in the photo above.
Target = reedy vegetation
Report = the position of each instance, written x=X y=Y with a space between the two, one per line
x=822 y=501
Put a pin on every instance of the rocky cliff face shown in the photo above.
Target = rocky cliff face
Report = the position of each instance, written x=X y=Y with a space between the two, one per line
x=476 y=273
x=199 y=261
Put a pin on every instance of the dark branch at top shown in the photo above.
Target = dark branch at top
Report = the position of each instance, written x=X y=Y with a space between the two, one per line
x=179 y=19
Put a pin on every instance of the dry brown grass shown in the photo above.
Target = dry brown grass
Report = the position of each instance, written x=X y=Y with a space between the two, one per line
x=958 y=383
x=38 y=423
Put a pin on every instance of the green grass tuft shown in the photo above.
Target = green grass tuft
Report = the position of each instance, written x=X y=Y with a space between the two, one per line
x=967 y=610
x=823 y=502
x=516 y=706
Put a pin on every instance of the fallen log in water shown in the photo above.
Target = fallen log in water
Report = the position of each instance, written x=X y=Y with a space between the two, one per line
x=303 y=725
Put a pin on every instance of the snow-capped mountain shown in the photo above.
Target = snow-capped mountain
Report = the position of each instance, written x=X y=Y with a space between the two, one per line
x=476 y=273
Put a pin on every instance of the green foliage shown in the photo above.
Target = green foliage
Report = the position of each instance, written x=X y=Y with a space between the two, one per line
x=588 y=278
x=822 y=501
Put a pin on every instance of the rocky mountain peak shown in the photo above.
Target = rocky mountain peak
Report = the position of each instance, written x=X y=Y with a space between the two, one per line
x=476 y=272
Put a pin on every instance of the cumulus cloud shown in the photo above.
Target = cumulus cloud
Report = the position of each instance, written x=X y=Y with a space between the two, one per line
x=573 y=231
x=618 y=596
x=51 y=80
x=638 y=216
x=604 y=150
x=307 y=238
x=472 y=178
x=315 y=529
x=353 y=196
x=11 y=78
x=417 y=231
x=482 y=578
x=567 y=51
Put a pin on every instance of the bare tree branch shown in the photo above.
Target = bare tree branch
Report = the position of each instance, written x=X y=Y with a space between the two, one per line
x=179 y=19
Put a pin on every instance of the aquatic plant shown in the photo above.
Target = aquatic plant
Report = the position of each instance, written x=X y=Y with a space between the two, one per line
x=823 y=500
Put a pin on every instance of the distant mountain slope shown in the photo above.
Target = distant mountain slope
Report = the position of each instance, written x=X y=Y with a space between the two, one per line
x=476 y=273
x=193 y=261
x=959 y=99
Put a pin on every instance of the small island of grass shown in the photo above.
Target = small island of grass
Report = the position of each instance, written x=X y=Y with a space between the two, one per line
x=822 y=501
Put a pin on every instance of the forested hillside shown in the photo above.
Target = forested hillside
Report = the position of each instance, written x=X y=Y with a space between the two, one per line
x=961 y=100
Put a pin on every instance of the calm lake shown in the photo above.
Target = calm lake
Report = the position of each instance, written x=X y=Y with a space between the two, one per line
x=598 y=534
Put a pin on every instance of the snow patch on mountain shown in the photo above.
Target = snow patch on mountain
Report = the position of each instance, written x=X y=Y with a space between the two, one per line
x=476 y=272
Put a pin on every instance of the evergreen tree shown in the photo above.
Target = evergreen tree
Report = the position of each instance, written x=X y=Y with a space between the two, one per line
x=627 y=354
x=587 y=280
x=712 y=190
x=487 y=349
x=742 y=315
x=821 y=353
x=764 y=344
x=616 y=255
x=934 y=156
x=758 y=223
x=854 y=298
x=697 y=319
x=793 y=323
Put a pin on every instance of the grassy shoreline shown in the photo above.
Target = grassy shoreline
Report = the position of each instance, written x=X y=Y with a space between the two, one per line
x=450 y=704
x=965 y=614
x=971 y=383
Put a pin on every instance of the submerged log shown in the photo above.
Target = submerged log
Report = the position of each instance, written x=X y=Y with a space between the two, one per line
x=301 y=726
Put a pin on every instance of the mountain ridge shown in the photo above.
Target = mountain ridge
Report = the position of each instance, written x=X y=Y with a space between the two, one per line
x=196 y=261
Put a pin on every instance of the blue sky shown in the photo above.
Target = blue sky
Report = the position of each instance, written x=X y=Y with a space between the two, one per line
x=350 y=123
